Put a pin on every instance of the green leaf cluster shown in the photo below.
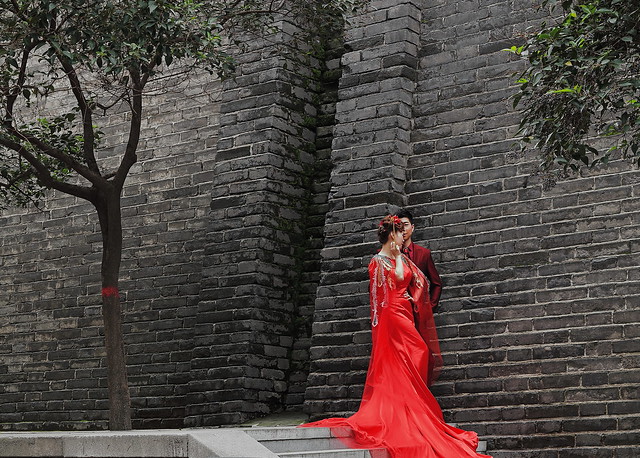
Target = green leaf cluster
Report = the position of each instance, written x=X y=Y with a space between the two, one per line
x=113 y=36
x=18 y=184
x=87 y=50
x=100 y=55
x=579 y=94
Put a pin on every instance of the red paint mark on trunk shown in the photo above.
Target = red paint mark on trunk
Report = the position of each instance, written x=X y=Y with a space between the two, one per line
x=110 y=291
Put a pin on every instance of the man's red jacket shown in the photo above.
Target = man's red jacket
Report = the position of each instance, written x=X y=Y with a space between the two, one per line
x=421 y=257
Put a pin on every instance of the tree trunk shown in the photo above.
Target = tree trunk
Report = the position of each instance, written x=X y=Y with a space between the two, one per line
x=111 y=226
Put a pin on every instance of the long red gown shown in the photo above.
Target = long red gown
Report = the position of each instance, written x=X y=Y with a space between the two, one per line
x=398 y=413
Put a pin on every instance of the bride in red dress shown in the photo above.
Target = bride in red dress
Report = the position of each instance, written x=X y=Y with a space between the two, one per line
x=398 y=415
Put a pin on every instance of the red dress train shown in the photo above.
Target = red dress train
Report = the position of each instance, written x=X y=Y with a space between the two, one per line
x=398 y=413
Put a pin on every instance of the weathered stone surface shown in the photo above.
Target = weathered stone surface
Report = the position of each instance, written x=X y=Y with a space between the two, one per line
x=534 y=277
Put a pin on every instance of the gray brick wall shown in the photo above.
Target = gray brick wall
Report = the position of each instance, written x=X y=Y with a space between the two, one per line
x=542 y=296
x=540 y=308
x=261 y=259
x=224 y=217
x=52 y=361
x=370 y=151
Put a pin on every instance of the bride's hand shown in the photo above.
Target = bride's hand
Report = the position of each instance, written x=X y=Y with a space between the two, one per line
x=395 y=250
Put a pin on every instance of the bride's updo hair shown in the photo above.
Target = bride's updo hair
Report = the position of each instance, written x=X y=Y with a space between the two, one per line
x=389 y=224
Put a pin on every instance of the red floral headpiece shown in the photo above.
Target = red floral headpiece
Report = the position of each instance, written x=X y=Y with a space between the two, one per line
x=396 y=221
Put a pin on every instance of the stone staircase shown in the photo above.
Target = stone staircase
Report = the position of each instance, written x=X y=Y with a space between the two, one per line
x=291 y=442
x=236 y=442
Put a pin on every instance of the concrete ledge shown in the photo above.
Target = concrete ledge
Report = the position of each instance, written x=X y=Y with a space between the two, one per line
x=226 y=443
x=196 y=443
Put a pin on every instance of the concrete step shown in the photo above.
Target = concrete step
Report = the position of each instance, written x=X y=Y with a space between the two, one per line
x=338 y=453
x=187 y=443
x=286 y=439
x=291 y=442
x=295 y=442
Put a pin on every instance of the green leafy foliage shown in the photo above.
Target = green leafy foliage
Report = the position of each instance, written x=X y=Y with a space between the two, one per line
x=18 y=183
x=102 y=54
x=84 y=49
x=580 y=91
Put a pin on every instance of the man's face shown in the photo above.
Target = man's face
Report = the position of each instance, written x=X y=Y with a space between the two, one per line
x=407 y=229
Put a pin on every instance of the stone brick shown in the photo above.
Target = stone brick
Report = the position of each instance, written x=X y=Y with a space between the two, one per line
x=519 y=243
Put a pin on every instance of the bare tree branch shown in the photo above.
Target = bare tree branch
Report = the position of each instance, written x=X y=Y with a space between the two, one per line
x=13 y=95
x=85 y=109
x=95 y=178
x=130 y=156
x=44 y=175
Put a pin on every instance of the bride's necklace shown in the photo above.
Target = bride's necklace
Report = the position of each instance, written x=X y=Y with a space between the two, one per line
x=386 y=254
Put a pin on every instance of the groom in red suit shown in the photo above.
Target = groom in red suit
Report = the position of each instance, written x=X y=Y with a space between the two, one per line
x=421 y=257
